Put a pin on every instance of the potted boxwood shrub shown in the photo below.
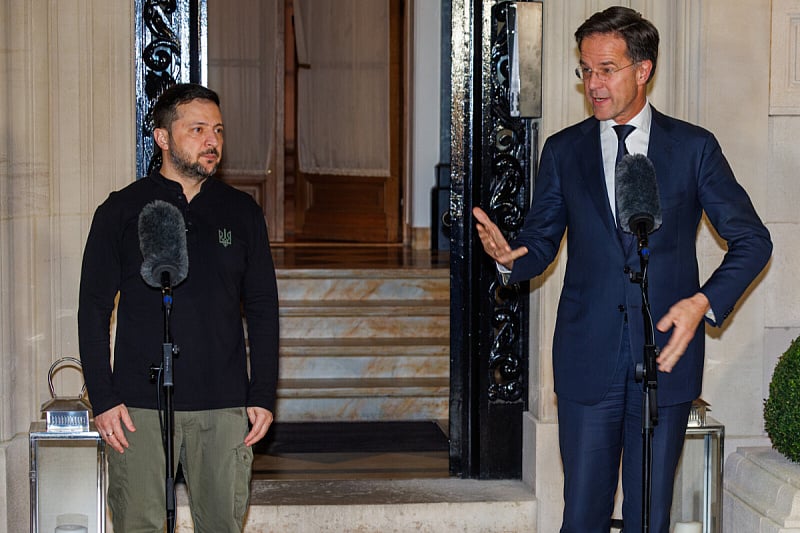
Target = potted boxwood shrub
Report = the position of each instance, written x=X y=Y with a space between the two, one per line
x=782 y=408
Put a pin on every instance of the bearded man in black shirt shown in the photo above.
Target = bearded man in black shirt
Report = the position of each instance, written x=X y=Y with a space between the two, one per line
x=222 y=407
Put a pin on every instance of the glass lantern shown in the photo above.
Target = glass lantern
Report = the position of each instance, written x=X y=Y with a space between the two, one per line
x=67 y=466
x=697 y=497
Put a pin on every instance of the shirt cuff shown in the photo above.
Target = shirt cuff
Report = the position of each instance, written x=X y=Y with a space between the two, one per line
x=505 y=274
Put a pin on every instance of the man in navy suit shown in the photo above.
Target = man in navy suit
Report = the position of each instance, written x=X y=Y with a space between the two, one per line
x=599 y=334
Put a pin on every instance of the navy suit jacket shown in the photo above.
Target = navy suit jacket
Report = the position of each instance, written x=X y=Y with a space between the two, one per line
x=570 y=194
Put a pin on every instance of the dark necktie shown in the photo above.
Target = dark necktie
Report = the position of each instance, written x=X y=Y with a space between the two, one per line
x=622 y=131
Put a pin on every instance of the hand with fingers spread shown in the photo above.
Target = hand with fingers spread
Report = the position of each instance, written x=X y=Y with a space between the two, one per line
x=109 y=425
x=683 y=318
x=494 y=243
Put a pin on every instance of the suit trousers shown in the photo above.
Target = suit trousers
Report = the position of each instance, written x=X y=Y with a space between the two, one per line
x=595 y=438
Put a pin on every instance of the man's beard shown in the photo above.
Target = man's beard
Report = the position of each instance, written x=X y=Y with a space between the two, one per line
x=192 y=170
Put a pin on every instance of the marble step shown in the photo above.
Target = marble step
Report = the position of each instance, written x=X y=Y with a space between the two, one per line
x=363 y=387
x=363 y=399
x=362 y=409
x=364 y=379
x=383 y=506
x=376 y=284
x=382 y=358
x=396 y=307
x=312 y=320
x=315 y=326
x=364 y=345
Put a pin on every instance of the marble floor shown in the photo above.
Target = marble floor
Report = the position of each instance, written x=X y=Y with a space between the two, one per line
x=351 y=466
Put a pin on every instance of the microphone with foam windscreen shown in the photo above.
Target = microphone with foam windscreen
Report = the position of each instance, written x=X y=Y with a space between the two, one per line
x=636 y=190
x=162 y=240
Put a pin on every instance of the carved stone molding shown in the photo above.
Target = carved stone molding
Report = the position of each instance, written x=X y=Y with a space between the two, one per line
x=784 y=98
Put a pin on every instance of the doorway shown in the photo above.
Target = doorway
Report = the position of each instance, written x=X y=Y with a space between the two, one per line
x=313 y=109
x=313 y=106
x=244 y=53
x=360 y=204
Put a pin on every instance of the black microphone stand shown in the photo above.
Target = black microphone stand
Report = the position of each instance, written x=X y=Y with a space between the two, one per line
x=165 y=370
x=646 y=372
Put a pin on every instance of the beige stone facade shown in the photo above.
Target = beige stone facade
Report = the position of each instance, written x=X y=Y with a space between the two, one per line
x=67 y=140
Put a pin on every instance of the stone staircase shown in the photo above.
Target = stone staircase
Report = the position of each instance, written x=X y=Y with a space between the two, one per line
x=385 y=506
x=363 y=345
x=371 y=345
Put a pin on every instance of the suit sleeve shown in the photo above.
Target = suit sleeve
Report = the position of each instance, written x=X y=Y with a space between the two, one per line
x=545 y=223
x=730 y=211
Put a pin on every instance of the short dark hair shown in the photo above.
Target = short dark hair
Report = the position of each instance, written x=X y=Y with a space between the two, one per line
x=639 y=34
x=165 y=111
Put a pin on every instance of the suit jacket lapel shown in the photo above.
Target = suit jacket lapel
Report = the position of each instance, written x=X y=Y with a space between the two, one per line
x=660 y=149
x=592 y=175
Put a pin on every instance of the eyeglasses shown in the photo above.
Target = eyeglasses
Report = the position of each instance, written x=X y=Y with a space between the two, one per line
x=602 y=74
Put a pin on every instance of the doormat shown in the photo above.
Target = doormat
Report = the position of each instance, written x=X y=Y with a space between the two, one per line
x=353 y=437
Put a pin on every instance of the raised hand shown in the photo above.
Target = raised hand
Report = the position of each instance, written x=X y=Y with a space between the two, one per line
x=494 y=243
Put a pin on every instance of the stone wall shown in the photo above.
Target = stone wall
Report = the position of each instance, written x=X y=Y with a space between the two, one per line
x=761 y=492
x=67 y=106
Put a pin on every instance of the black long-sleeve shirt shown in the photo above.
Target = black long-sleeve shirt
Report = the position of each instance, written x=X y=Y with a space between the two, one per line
x=230 y=271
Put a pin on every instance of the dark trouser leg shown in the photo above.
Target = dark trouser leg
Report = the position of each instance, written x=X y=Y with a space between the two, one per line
x=668 y=437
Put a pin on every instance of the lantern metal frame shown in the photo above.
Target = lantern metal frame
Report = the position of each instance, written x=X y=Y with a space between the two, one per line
x=38 y=434
x=713 y=434
x=67 y=421
x=710 y=459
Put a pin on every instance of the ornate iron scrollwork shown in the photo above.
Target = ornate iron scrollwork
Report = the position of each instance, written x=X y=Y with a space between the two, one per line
x=510 y=150
x=162 y=56
x=158 y=67
x=164 y=33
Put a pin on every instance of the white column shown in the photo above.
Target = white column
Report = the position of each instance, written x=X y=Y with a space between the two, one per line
x=66 y=96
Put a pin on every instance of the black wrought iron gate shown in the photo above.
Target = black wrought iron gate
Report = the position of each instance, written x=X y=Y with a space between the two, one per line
x=493 y=158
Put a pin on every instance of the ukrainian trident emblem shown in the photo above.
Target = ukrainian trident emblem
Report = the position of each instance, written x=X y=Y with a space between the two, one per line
x=225 y=238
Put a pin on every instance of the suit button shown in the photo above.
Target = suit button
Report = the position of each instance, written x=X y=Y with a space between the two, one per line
x=627 y=269
x=621 y=308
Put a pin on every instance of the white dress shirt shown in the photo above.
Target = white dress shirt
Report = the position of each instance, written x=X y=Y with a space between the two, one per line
x=636 y=142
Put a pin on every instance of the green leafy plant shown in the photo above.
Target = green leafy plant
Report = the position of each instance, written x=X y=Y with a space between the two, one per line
x=782 y=408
